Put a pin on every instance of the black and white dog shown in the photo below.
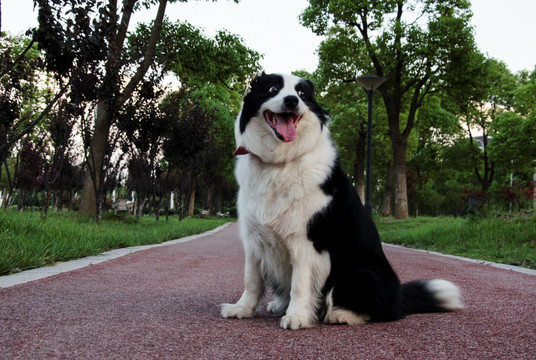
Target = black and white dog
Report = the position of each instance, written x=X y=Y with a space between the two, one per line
x=304 y=230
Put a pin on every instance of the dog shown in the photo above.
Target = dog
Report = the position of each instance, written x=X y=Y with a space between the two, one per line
x=305 y=232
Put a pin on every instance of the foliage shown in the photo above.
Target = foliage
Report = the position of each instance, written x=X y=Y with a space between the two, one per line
x=225 y=59
x=513 y=146
x=525 y=92
x=484 y=97
x=29 y=172
x=20 y=67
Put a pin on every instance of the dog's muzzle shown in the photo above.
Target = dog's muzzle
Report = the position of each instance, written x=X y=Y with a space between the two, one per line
x=284 y=124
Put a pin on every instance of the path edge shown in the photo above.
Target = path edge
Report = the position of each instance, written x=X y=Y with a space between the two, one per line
x=475 y=261
x=62 y=267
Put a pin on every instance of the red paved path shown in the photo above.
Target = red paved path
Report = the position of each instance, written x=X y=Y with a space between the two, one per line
x=163 y=303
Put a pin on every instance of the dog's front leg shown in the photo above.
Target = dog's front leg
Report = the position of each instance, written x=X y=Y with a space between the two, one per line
x=310 y=270
x=254 y=289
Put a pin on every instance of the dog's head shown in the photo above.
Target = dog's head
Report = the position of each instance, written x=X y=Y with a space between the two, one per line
x=280 y=119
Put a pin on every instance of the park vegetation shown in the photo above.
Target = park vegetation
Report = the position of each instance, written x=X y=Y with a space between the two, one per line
x=28 y=242
x=88 y=113
x=87 y=110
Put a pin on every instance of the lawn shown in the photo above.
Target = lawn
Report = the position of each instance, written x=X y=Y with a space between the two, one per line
x=27 y=241
x=503 y=239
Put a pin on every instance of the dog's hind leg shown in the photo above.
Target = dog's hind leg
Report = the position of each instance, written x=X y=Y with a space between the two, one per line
x=281 y=299
x=337 y=315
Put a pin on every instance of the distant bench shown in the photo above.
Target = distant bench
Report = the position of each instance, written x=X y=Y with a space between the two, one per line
x=122 y=206
x=475 y=202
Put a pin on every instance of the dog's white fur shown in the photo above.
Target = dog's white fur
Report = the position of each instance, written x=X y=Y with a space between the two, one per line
x=274 y=208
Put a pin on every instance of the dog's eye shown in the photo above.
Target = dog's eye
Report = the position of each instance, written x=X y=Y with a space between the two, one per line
x=301 y=94
x=273 y=90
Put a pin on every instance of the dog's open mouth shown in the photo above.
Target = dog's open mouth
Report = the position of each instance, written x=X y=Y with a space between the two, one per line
x=284 y=124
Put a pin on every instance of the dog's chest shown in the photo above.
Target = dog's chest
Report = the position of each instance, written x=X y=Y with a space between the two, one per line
x=281 y=198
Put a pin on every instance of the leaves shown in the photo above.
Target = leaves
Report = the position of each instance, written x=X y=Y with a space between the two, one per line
x=225 y=59
x=513 y=144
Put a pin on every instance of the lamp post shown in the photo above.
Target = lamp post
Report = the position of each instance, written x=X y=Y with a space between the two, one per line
x=370 y=83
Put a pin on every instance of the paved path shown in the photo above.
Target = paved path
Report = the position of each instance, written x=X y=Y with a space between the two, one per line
x=163 y=303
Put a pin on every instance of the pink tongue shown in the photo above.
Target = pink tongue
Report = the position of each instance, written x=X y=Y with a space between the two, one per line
x=285 y=127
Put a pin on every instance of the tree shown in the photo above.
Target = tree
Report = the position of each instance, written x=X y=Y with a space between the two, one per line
x=88 y=41
x=20 y=98
x=514 y=141
x=525 y=93
x=60 y=128
x=84 y=42
x=218 y=161
x=342 y=96
x=477 y=103
x=145 y=128
x=190 y=137
x=432 y=177
x=419 y=45
x=29 y=172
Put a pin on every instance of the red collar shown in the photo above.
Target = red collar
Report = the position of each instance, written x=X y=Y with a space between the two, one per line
x=240 y=151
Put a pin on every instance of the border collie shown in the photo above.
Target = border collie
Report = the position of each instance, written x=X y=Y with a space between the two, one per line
x=305 y=233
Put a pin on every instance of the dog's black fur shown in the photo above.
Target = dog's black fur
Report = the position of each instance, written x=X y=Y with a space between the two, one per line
x=316 y=228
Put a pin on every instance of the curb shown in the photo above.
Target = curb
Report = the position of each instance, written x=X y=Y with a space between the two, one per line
x=475 y=261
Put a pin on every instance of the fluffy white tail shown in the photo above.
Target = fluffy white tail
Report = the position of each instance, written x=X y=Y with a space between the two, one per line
x=435 y=295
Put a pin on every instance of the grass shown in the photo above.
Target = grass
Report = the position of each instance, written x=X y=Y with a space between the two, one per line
x=27 y=241
x=503 y=239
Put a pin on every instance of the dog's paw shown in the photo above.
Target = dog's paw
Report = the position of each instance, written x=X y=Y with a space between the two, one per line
x=295 y=322
x=342 y=316
x=235 y=311
x=277 y=307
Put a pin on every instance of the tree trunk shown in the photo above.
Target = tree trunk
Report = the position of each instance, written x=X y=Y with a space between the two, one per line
x=156 y=206
x=191 y=204
x=139 y=208
x=210 y=194
x=401 y=190
x=219 y=201
x=88 y=203
x=388 y=192
x=180 y=204
x=9 y=192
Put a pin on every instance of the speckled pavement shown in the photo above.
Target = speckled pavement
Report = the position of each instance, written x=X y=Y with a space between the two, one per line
x=163 y=303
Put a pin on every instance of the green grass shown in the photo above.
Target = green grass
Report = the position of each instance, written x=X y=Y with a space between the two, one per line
x=27 y=241
x=503 y=239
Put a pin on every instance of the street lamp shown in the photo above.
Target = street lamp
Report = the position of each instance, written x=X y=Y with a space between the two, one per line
x=370 y=83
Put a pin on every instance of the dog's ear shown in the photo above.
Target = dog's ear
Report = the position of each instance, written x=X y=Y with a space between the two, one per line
x=311 y=86
x=253 y=81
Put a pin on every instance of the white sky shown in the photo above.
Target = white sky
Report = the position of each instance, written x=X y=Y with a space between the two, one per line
x=504 y=29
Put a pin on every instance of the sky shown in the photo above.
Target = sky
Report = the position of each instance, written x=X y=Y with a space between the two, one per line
x=504 y=29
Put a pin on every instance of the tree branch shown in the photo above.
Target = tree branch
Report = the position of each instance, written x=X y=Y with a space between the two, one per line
x=363 y=30
x=128 y=9
x=148 y=57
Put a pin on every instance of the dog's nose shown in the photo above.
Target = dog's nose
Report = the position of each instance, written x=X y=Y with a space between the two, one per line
x=291 y=101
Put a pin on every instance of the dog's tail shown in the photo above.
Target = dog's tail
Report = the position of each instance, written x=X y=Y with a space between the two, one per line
x=425 y=296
